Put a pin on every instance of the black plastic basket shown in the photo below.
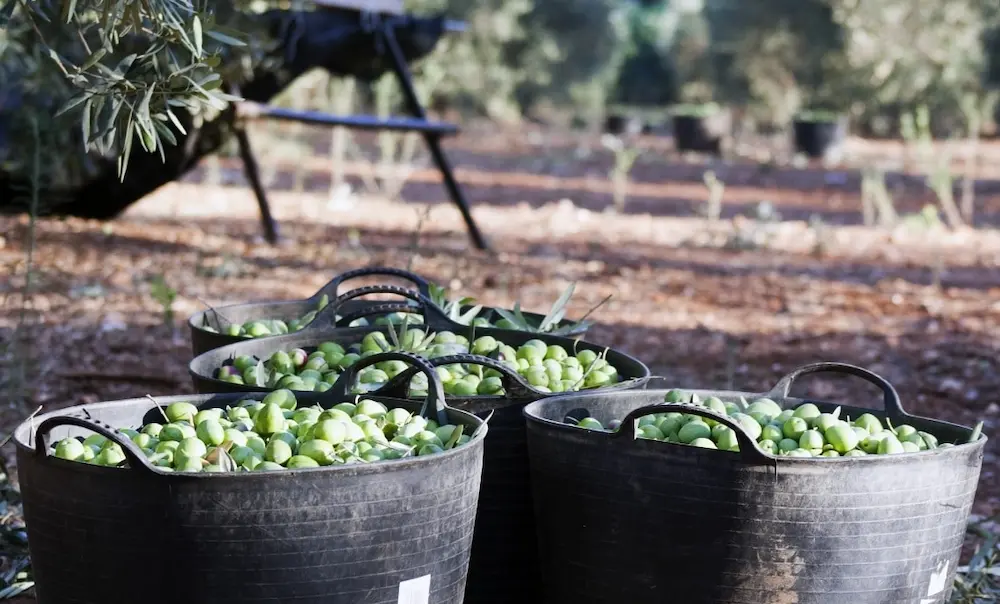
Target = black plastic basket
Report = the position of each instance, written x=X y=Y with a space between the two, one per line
x=820 y=138
x=331 y=535
x=203 y=340
x=640 y=521
x=701 y=133
x=504 y=565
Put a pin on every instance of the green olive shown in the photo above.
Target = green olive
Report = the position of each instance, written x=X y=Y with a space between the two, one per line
x=211 y=432
x=70 y=449
x=177 y=412
x=269 y=419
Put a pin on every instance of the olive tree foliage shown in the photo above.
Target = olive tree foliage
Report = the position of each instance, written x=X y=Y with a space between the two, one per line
x=916 y=52
x=780 y=56
x=517 y=55
x=575 y=52
x=776 y=56
x=667 y=56
x=472 y=70
x=111 y=76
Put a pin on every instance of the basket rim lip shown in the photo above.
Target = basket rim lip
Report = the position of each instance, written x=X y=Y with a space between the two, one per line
x=624 y=385
x=199 y=315
x=532 y=417
x=629 y=383
x=25 y=430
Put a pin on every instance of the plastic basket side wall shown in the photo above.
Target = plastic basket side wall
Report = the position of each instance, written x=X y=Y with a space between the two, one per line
x=97 y=535
x=652 y=523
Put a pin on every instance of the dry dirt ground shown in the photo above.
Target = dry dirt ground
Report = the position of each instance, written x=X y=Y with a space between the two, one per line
x=733 y=303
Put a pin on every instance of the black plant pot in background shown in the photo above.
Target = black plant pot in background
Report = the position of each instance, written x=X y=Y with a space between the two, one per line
x=701 y=133
x=618 y=123
x=820 y=138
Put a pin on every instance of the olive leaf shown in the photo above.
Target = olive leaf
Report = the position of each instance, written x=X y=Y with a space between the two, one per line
x=583 y=323
x=398 y=446
x=482 y=427
x=510 y=316
x=196 y=31
x=6 y=11
x=558 y=310
x=496 y=354
x=554 y=319
x=223 y=459
x=467 y=317
x=456 y=310
x=429 y=340
x=225 y=39
x=520 y=316
x=979 y=580
x=742 y=403
x=393 y=336
x=262 y=375
x=437 y=294
x=406 y=323
x=455 y=435
x=155 y=458
x=976 y=432
x=979 y=559
x=178 y=39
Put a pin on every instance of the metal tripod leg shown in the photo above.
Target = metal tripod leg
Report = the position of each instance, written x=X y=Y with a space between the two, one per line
x=433 y=140
x=252 y=172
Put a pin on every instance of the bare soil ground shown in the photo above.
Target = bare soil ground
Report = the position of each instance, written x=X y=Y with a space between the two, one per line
x=736 y=303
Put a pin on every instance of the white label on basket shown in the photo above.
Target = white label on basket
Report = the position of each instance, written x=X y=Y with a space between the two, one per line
x=415 y=591
x=937 y=584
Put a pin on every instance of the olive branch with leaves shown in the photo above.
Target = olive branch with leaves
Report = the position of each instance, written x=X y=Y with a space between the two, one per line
x=127 y=66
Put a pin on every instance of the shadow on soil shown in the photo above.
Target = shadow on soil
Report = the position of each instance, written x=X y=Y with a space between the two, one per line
x=662 y=188
x=393 y=247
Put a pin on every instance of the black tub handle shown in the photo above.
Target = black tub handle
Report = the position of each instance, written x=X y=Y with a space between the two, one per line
x=514 y=385
x=893 y=405
x=382 y=308
x=378 y=309
x=327 y=316
x=749 y=450
x=332 y=286
x=435 y=391
x=136 y=458
x=433 y=316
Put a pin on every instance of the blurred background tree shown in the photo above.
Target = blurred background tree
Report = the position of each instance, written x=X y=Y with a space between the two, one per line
x=775 y=57
x=657 y=66
x=569 y=59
